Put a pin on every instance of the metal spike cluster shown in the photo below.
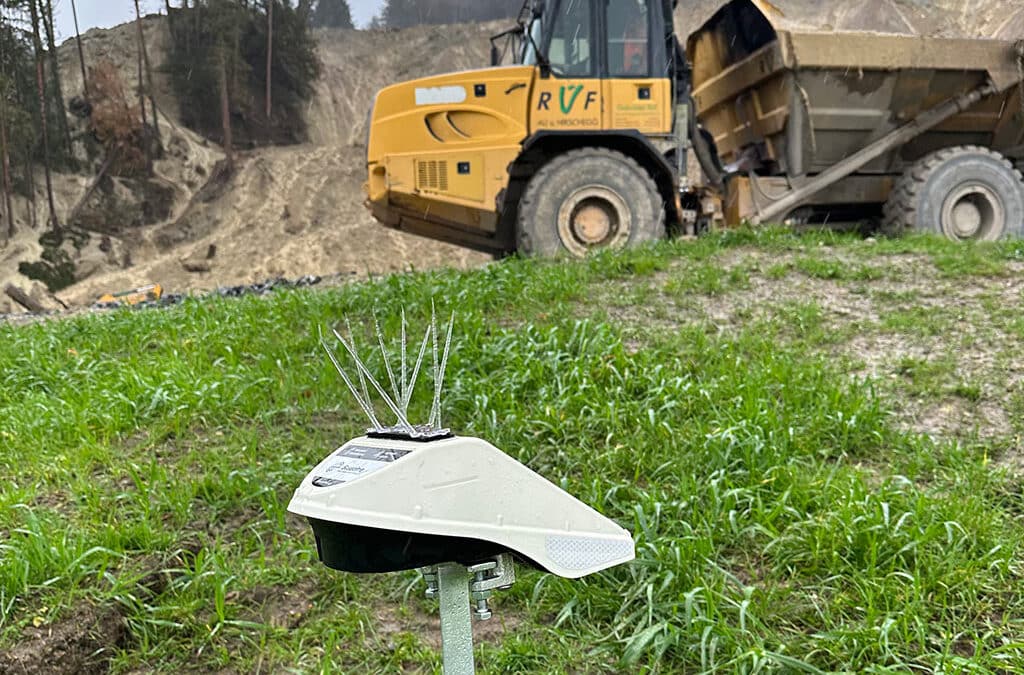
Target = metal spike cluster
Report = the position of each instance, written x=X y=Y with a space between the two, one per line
x=403 y=382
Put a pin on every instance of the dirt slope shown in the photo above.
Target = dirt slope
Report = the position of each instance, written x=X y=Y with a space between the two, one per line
x=291 y=211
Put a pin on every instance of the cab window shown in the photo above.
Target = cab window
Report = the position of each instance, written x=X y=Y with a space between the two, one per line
x=570 y=51
x=629 y=38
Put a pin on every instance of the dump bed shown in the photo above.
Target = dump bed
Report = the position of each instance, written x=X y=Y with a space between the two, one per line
x=790 y=88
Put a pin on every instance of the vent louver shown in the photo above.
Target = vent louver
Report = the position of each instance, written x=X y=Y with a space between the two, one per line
x=432 y=175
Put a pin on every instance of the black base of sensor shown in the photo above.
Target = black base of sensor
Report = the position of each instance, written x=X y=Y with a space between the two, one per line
x=369 y=550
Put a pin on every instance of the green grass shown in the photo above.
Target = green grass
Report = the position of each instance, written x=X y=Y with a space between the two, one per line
x=784 y=521
x=818 y=268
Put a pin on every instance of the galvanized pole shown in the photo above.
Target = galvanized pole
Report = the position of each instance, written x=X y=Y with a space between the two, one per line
x=456 y=624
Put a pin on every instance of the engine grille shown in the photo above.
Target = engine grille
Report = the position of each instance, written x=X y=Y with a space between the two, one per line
x=432 y=175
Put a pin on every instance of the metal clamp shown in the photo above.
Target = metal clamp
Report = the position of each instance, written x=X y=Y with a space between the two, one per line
x=499 y=573
x=459 y=587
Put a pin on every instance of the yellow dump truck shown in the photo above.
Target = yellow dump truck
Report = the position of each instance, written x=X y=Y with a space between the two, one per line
x=802 y=110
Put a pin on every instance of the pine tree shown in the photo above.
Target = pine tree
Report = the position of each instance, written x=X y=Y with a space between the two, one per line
x=44 y=110
x=5 y=155
x=229 y=58
x=270 y=55
x=57 y=89
x=332 y=14
x=144 y=65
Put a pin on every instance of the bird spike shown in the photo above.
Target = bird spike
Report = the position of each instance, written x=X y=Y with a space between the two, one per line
x=395 y=391
x=416 y=368
x=355 y=357
x=367 y=406
x=435 y=411
x=401 y=395
x=402 y=420
x=433 y=331
x=403 y=381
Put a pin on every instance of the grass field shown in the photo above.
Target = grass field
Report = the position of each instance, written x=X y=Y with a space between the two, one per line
x=816 y=441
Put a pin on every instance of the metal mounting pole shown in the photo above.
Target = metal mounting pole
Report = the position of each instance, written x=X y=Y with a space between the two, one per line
x=456 y=624
x=455 y=586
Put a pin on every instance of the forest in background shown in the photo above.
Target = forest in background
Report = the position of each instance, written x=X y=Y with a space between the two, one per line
x=240 y=71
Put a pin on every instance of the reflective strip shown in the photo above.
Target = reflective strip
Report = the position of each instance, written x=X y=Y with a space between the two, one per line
x=580 y=553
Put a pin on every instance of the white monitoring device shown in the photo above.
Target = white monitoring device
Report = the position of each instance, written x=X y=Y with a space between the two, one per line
x=382 y=505
x=458 y=509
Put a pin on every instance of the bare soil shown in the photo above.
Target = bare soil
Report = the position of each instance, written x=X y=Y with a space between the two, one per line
x=393 y=621
x=280 y=607
x=286 y=211
x=81 y=643
x=292 y=211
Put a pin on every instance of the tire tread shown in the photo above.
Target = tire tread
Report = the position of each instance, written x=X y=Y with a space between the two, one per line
x=540 y=180
x=900 y=211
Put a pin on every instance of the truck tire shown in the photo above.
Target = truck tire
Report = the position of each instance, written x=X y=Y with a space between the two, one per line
x=964 y=193
x=588 y=199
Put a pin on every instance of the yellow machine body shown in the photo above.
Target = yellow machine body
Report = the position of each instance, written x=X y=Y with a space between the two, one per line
x=795 y=111
x=441 y=149
x=150 y=293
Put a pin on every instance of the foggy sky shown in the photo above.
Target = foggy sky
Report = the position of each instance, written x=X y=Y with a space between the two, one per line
x=107 y=13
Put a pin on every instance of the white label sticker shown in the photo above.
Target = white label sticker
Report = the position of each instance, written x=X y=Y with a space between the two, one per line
x=355 y=462
x=440 y=95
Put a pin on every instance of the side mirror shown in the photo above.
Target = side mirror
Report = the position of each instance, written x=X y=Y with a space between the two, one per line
x=495 y=55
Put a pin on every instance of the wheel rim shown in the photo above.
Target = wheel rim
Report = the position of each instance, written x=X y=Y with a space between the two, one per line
x=594 y=217
x=973 y=212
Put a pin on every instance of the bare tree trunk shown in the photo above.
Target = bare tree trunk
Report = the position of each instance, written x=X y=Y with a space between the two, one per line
x=138 y=59
x=81 y=54
x=6 y=164
x=270 y=51
x=170 y=18
x=43 y=112
x=4 y=149
x=51 y=45
x=142 y=90
x=236 y=50
x=149 y=70
x=23 y=299
x=76 y=210
x=225 y=111
x=6 y=167
x=30 y=179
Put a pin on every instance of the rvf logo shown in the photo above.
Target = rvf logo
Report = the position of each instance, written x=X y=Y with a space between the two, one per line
x=568 y=96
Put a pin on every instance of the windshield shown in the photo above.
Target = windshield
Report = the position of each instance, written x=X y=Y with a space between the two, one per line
x=562 y=31
x=533 y=34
